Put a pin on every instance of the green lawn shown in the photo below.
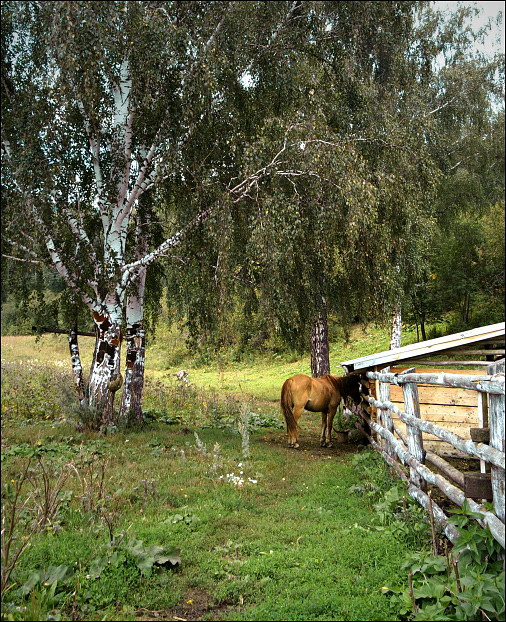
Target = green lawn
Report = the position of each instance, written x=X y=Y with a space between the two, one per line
x=278 y=535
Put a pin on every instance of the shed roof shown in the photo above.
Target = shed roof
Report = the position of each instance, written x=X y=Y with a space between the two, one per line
x=431 y=346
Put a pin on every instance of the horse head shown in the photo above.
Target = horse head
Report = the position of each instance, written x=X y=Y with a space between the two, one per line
x=358 y=387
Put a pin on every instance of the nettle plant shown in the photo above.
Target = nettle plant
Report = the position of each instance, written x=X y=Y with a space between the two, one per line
x=465 y=584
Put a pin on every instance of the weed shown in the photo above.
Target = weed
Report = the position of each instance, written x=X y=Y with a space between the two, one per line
x=90 y=469
x=13 y=544
x=243 y=428
x=465 y=584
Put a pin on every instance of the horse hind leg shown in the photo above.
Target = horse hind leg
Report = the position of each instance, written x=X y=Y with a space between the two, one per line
x=323 y=439
x=292 y=434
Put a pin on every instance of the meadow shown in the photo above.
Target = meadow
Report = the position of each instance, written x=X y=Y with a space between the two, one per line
x=204 y=513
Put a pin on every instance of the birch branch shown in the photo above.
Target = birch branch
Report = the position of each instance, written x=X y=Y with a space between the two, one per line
x=143 y=181
x=36 y=261
x=275 y=34
x=58 y=264
x=427 y=114
x=24 y=249
x=129 y=269
x=94 y=143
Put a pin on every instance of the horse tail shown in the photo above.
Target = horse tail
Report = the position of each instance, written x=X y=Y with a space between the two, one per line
x=286 y=407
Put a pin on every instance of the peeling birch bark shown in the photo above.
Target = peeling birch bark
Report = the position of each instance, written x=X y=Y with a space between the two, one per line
x=105 y=368
x=131 y=400
x=77 y=368
x=396 y=332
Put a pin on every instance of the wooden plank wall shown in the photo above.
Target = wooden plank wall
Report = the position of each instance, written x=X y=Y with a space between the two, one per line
x=454 y=409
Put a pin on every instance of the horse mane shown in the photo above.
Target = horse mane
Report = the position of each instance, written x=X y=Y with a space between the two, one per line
x=343 y=383
x=349 y=382
x=335 y=381
x=347 y=385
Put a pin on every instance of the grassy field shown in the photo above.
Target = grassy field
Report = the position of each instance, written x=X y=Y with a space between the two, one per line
x=193 y=517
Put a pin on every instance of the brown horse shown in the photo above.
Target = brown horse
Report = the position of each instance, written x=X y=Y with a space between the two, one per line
x=318 y=395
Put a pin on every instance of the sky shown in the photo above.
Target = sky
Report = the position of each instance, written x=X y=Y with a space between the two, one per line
x=495 y=40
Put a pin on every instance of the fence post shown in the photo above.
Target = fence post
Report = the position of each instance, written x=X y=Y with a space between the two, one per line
x=497 y=434
x=483 y=420
x=386 y=415
x=415 y=442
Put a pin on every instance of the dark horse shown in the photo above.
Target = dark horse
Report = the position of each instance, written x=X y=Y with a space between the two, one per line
x=318 y=395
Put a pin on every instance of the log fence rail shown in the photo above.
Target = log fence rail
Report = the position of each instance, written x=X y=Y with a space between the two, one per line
x=407 y=447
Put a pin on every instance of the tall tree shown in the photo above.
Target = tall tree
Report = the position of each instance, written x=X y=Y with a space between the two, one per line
x=345 y=231
x=102 y=99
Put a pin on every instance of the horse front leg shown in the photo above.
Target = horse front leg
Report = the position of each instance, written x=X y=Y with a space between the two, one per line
x=323 y=434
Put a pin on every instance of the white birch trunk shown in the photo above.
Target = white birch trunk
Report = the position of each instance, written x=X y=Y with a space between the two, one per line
x=104 y=374
x=77 y=368
x=131 y=400
x=320 y=362
x=396 y=333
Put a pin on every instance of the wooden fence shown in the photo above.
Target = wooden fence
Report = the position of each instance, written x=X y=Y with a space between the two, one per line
x=407 y=445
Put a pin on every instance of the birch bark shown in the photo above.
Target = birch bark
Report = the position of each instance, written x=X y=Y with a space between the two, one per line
x=396 y=332
x=105 y=370
x=131 y=400
x=77 y=369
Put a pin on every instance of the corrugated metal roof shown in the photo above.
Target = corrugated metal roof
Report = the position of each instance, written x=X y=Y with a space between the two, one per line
x=423 y=348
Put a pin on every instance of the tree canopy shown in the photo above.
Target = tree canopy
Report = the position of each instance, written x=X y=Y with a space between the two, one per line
x=285 y=158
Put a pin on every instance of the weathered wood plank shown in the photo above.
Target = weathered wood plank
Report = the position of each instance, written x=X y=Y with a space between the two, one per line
x=488 y=384
x=481 y=352
x=497 y=436
x=451 y=532
x=439 y=462
x=480 y=435
x=483 y=422
x=450 y=363
x=414 y=435
x=478 y=486
x=480 y=451
x=439 y=395
x=386 y=415
x=428 y=370
x=426 y=348
x=457 y=427
x=451 y=413
x=61 y=331
x=452 y=492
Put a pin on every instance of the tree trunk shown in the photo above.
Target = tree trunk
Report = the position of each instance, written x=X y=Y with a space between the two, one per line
x=77 y=368
x=466 y=305
x=396 y=334
x=131 y=400
x=422 y=327
x=320 y=363
x=105 y=378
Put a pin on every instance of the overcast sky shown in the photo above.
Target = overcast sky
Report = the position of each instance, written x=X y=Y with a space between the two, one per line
x=495 y=40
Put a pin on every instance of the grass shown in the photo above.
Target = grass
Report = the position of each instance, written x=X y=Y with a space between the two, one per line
x=276 y=536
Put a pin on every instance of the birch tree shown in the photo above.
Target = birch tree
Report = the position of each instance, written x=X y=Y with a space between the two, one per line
x=343 y=229
x=101 y=99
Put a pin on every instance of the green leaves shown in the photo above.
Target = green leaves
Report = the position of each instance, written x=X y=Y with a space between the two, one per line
x=463 y=585
x=145 y=557
x=47 y=577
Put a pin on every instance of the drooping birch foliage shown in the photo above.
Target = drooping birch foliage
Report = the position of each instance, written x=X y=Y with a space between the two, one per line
x=101 y=99
x=270 y=141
